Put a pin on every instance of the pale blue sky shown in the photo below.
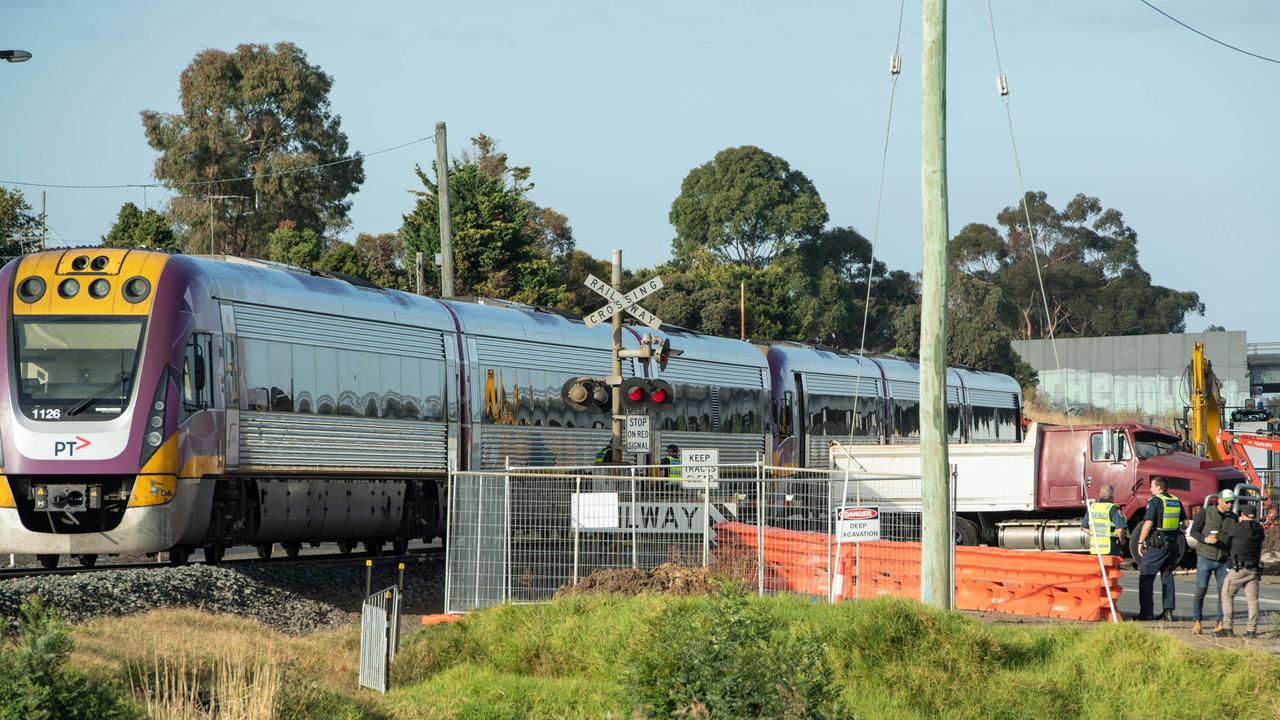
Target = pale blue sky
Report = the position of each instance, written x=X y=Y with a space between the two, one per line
x=611 y=104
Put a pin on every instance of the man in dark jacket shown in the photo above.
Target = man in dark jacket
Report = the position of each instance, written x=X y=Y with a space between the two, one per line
x=1244 y=545
x=1211 y=554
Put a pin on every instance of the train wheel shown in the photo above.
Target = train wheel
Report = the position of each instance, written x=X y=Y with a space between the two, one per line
x=399 y=546
x=179 y=555
x=265 y=550
x=373 y=547
x=346 y=546
x=87 y=560
x=48 y=562
x=292 y=549
x=213 y=554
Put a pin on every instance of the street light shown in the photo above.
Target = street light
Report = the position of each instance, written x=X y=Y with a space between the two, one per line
x=15 y=55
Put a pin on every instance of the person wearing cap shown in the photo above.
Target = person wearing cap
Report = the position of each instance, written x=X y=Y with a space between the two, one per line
x=1161 y=549
x=1106 y=523
x=1244 y=547
x=1211 y=554
x=671 y=462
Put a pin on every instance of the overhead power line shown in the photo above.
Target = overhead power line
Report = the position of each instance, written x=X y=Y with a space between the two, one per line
x=1207 y=36
x=205 y=183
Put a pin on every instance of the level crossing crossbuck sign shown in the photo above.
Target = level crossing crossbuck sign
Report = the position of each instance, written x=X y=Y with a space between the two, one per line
x=623 y=303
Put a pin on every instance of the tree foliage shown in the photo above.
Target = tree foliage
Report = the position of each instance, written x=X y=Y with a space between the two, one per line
x=17 y=224
x=135 y=228
x=251 y=113
x=504 y=245
x=1088 y=263
x=383 y=262
x=293 y=246
x=744 y=206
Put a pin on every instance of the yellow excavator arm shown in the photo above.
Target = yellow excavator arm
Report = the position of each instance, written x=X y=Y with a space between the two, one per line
x=1206 y=406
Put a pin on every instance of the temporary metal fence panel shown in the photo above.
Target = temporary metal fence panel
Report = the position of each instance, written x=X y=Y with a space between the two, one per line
x=521 y=535
x=379 y=637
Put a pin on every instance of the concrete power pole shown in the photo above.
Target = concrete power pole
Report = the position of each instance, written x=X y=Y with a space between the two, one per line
x=615 y=453
x=936 y=583
x=446 y=221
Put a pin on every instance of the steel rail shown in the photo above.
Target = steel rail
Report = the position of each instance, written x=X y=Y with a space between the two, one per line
x=419 y=554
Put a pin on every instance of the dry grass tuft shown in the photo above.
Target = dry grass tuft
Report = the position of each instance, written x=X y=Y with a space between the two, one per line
x=239 y=687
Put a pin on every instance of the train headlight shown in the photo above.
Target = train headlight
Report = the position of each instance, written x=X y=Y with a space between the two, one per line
x=31 y=289
x=136 y=289
x=69 y=288
x=156 y=419
x=99 y=288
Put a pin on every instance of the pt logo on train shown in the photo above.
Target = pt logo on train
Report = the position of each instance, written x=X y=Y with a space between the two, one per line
x=69 y=447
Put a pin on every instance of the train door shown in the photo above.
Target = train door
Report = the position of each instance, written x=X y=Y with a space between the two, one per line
x=230 y=387
x=801 y=423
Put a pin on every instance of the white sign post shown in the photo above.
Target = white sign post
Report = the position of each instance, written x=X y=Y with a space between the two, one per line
x=637 y=434
x=699 y=468
x=629 y=303
x=858 y=524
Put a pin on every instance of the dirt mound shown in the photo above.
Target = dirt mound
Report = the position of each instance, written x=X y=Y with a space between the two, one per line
x=667 y=578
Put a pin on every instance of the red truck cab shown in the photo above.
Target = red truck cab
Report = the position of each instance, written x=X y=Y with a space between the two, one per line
x=1083 y=458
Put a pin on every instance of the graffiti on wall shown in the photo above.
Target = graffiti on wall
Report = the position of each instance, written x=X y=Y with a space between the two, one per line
x=1148 y=394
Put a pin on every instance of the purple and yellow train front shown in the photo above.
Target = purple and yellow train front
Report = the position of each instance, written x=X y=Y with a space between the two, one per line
x=89 y=423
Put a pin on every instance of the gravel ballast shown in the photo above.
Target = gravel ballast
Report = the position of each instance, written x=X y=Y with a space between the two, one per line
x=294 y=599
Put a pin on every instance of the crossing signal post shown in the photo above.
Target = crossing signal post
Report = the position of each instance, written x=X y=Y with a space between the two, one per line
x=651 y=348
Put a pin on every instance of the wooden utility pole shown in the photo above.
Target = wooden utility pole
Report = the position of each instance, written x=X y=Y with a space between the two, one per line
x=417 y=272
x=936 y=583
x=446 y=221
x=615 y=279
x=742 y=310
x=44 y=224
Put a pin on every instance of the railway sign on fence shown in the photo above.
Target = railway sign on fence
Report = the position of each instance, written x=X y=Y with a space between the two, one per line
x=618 y=302
x=699 y=468
x=637 y=434
x=858 y=524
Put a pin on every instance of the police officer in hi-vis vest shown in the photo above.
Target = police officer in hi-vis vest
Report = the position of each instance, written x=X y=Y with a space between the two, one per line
x=671 y=462
x=1106 y=524
x=1160 y=543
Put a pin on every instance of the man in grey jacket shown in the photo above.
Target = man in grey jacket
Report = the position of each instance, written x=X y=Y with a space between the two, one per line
x=1209 y=532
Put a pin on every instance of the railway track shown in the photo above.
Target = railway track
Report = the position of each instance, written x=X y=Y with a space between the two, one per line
x=428 y=554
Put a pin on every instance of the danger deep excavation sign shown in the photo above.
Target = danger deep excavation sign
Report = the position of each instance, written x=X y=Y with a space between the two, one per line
x=858 y=524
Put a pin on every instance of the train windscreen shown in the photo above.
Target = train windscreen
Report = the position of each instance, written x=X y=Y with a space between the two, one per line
x=76 y=369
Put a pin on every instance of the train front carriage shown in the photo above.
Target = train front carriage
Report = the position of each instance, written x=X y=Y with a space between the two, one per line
x=92 y=358
x=166 y=403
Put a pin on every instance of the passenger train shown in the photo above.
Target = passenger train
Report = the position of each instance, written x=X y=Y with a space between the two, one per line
x=164 y=402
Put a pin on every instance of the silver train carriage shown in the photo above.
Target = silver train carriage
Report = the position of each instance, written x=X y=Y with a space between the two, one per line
x=821 y=396
x=163 y=402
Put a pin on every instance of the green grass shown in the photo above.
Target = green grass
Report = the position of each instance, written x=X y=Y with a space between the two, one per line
x=886 y=658
x=596 y=656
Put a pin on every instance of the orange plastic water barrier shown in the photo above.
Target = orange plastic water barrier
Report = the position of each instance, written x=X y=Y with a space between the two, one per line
x=440 y=619
x=1044 y=584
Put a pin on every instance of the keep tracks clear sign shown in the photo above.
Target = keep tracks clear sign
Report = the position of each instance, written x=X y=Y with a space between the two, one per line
x=858 y=524
x=699 y=468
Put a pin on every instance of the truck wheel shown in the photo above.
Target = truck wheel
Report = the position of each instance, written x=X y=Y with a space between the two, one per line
x=1135 y=550
x=967 y=532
